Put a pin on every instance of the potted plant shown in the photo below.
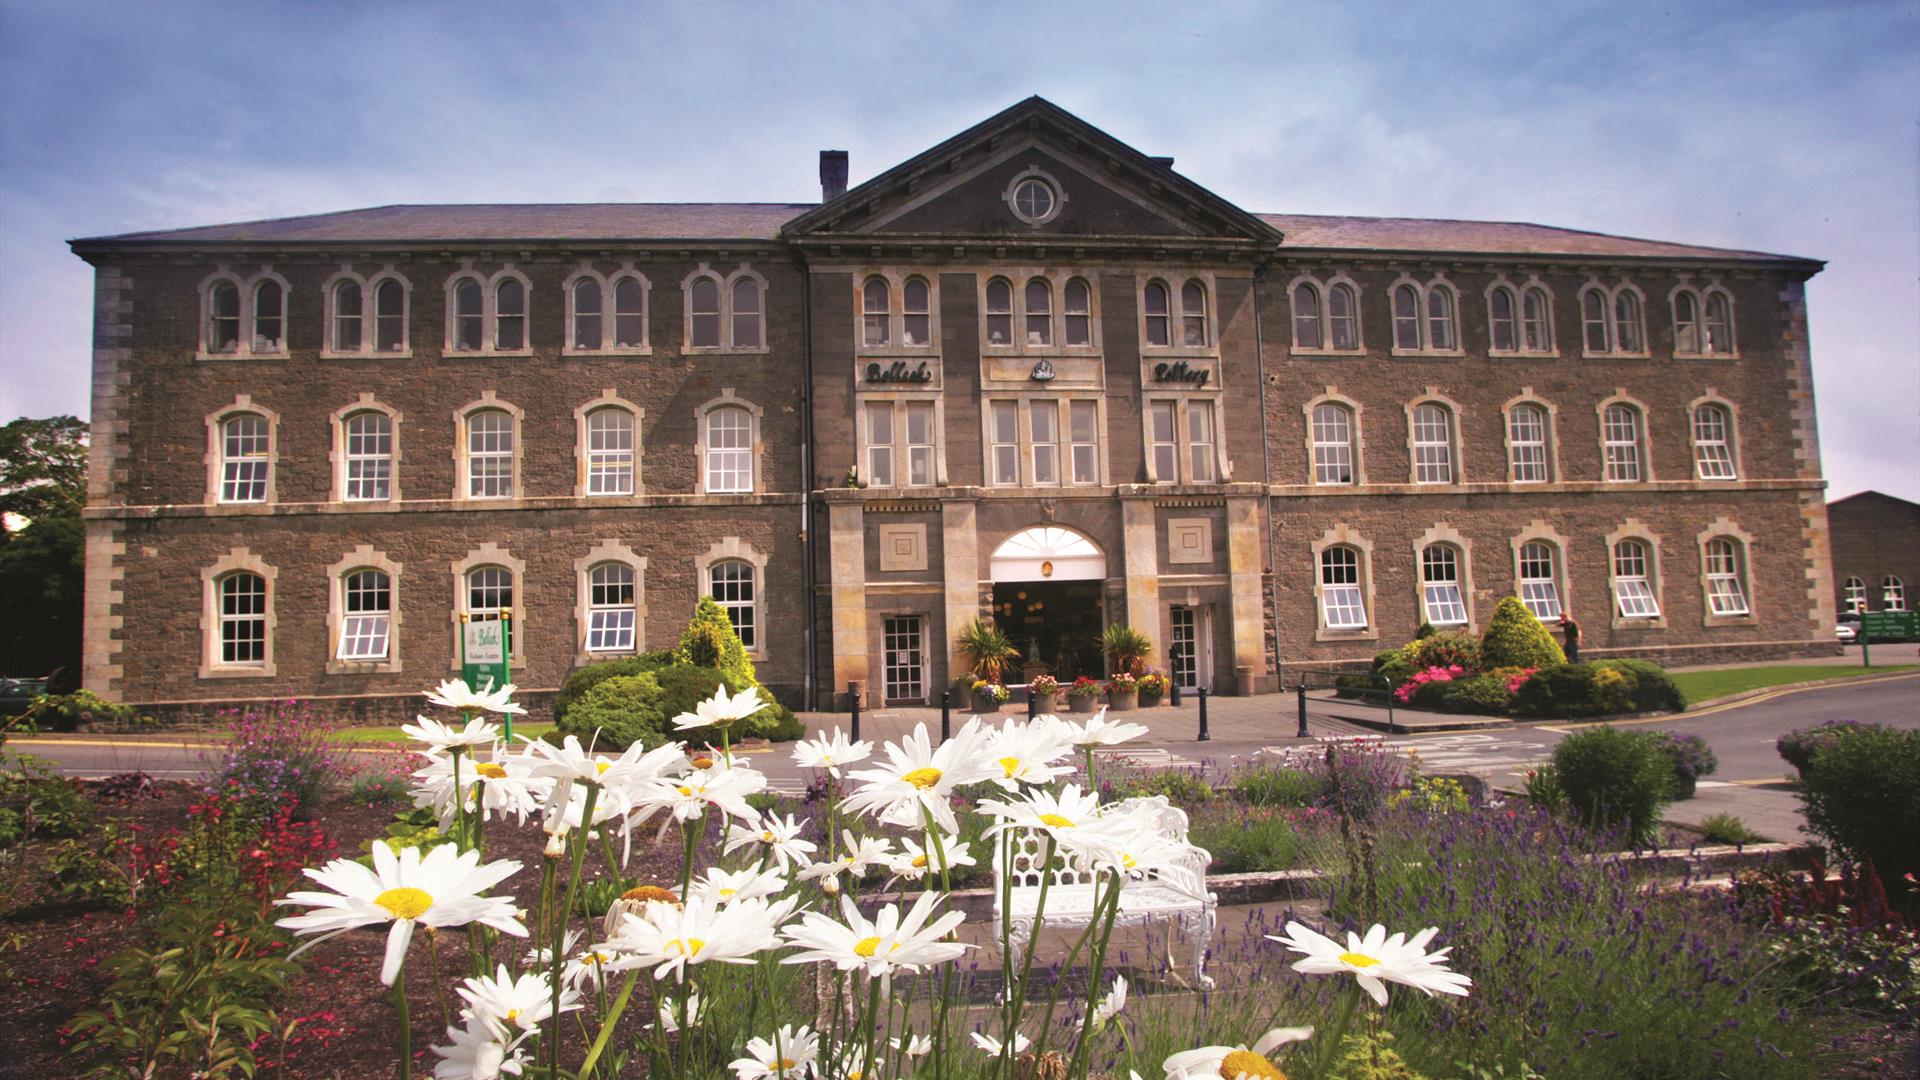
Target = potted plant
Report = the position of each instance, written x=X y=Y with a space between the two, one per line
x=990 y=693
x=1153 y=687
x=1042 y=691
x=987 y=649
x=1692 y=759
x=1084 y=694
x=1122 y=692
x=963 y=691
x=1127 y=649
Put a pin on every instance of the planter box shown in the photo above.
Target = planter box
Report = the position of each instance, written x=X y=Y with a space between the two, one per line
x=1084 y=703
x=1126 y=702
x=1148 y=701
x=1042 y=700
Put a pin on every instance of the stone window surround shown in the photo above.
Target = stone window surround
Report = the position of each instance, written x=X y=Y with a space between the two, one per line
x=1174 y=279
x=1023 y=421
x=1456 y=421
x=1724 y=528
x=1519 y=292
x=489 y=554
x=607 y=551
x=1017 y=278
x=607 y=400
x=246 y=287
x=1612 y=295
x=729 y=549
x=1644 y=426
x=608 y=282
x=216 y=455
x=489 y=310
x=369 y=310
x=1635 y=529
x=893 y=399
x=1714 y=397
x=1324 y=289
x=237 y=560
x=1701 y=293
x=1182 y=459
x=1539 y=531
x=1550 y=417
x=337 y=453
x=725 y=284
x=1034 y=172
x=1425 y=290
x=1355 y=412
x=1443 y=533
x=1345 y=536
x=488 y=400
x=757 y=456
x=363 y=557
x=896 y=278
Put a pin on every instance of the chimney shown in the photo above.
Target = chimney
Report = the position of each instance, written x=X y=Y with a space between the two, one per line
x=833 y=174
x=1164 y=162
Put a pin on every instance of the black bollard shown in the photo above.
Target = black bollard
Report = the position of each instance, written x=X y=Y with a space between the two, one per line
x=1173 y=660
x=1302 y=689
x=1202 y=695
x=946 y=715
x=1030 y=703
x=853 y=704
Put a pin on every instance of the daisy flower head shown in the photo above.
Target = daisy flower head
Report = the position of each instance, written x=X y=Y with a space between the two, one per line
x=722 y=709
x=850 y=1065
x=994 y=1047
x=669 y=939
x=722 y=786
x=496 y=784
x=439 y=889
x=477 y=1054
x=1234 y=1062
x=456 y=694
x=888 y=943
x=791 y=1054
x=633 y=768
x=831 y=752
x=1376 y=959
x=1110 y=1006
x=728 y=886
x=781 y=837
x=914 y=1047
x=918 y=779
x=1062 y=816
x=635 y=901
x=1099 y=731
x=914 y=862
x=670 y=1015
x=1026 y=752
x=512 y=1006
x=856 y=855
x=582 y=967
x=440 y=738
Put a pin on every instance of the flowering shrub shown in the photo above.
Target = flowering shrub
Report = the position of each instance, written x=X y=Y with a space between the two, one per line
x=1433 y=795
x=1084 y=687
x=279 y=754
x=1123 y=683
x=1044 y=684
x=1519 y=679
x=1405 y=692
x=1153 y=684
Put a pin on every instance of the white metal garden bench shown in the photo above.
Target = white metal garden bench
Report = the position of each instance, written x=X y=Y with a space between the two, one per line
x=1176 y=894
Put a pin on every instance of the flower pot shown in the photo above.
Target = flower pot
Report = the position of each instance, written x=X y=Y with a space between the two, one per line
x=1083 y=702
x=1042 y=700
x=1684 y=786
x=1123 y=701
x=962 y=698
x=1148 y=701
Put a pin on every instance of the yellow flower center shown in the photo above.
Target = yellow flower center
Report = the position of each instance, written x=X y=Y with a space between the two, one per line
x=491 y=771
x=513 y=1016
x=405 y=903
x=724 y=893
x=1129 y=861
x=1056 y=821
x=788 y=1063
x=767 y=836
x=687 y=946
x=650 y=892
x=703 y=762
x=866 y=946
x=919 y=861
x=923 y=778
x=1359 y=960
x=600 y=767
x=1247 y=1063
x=1011 y=764
x=685 y=790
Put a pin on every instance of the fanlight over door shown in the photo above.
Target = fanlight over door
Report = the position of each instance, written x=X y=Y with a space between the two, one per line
x=1048 y=553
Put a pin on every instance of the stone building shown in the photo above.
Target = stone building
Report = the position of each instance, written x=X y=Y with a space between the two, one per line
x=1031 y=373
x=1876 y=551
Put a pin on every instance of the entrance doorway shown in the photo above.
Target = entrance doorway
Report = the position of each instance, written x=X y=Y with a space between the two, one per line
x=1055 y=625
x=1187 y=652
x=905 y=668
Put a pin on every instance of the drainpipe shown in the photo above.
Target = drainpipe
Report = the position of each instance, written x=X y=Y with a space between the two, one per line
x=808 y=543
x=1266 y=468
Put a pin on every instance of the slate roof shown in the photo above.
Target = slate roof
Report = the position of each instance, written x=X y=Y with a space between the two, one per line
x=615 y=222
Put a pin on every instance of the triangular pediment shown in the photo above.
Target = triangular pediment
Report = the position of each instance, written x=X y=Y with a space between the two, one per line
x=971 y=187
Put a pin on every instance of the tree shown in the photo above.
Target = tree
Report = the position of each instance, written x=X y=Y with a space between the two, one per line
x=43 y=485
x=709 y=641
x=1514 y=638
x=43 y=468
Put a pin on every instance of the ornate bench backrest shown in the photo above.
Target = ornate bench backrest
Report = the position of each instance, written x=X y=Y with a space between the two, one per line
x=1030 y=846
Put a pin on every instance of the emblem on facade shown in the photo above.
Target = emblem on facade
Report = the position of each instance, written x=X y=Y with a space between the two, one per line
x=899 y=372
x=1043 y=371
x=1181 y=371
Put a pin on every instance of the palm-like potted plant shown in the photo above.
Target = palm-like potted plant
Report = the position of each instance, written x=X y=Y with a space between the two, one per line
x=1084 y=694
x=987 y=649
x=1127 y=649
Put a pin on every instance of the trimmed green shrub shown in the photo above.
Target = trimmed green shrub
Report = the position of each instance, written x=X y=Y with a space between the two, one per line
x=1653 y=689
x=625 y=708
x=584 y=679
x=619 y=711
x=1481 y=694
x=1514 y=638
x=1801 y=745
x=1445 y=650
x=1602 y=688
x=1724 y=828
x=1862 y=796
x=709 y=641
x=1277 y=786
x=1615 y=779
x=1395 y=664
x=1691 y=759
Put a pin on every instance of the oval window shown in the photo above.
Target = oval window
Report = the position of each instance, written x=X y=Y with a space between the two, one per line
x=1033 y=200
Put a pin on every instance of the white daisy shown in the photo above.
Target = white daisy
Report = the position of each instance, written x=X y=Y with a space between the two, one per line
x=790 y=1055
x=722 y=709
x=1234 y=1062
x=919 y=779
x=1111 y=1005
x=669 y=938
x=1376 y=959
x=1099 y=731
x=917 y=1046
x=512 y=1006
x=441 y=889
x=729 y=886
x=439 y=737
x=856 y=856
x=496 y=785
x=583 y=967
x=994 y=1047
x=1065 y=816
x=914 y=863
x=456 y=694
x=634 y=768
x=723 y=787
x=1027 y=752
x=477 y=1055
x=887 y=944
x=781 y=836
x=670 y=1013
x=830 y=752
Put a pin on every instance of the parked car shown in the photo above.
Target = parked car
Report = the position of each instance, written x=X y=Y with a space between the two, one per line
x=17 y=694
x=1848 y=630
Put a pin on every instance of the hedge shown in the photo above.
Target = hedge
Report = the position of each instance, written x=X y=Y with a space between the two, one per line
x=1515 y=638
x=1614 y=779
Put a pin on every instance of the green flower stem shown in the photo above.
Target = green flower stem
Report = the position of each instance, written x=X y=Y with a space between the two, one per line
x=607 y=1025
x=406 y=1022
x=1018 y=999
x=1053 y=998
x=433 y=971
x=1081 y=1052
x=1330 y=1049
x=946 y=976
x=578 y=844
x=689 y=841
x=873 y=1022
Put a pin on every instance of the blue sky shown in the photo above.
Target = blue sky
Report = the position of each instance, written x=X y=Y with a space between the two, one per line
x=1784 y=127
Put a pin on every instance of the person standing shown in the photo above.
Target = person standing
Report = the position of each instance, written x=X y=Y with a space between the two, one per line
x=1571 y=628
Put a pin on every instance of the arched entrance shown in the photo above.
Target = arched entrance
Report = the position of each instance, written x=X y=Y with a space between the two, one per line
x=1047 y=597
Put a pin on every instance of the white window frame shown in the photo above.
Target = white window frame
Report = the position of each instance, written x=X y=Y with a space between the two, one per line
x=602 y=461
x=1534 y=439
x=1724 y=566
x=369 y=317
x=1443 y=600
x=1539 y=592
x=363 y=625
x=1043 y=441
x=1635 y=579
x=362 y=559
x=1893 y=593
x=741 y=613
x=1715 y=453
x=490 y=316
x=1019 y=312
x=729 y=335
x=1178 y=318
x=248 y=345
x=1438 y=470
x=1424 y=294
x=1333 y=461
x=1712 y=306
x=734 y=549
x=510 y=456
x=612 y=625
x=1624 y=460
x=1026 y=450
x=1185 y=444
x=246 y=457
x=607 y=285
x=489 y=555
x=901 y=451
x=214 y=619
x=1853 y=594
x=1342 y=598
x=705 y=459
x=217 y=459
x=607 y=553
x=351 y=453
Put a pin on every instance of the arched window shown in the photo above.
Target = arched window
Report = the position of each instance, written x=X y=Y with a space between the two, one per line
x=611 y=611
x=875 y=313
x=349 y=314
x=729 y=462
x=1893 y=593
x=731 y=584
x=1432 y=444
x=1441 y=331
x=1504 y=320
x=1157 y=306
x=1527 y=443
x=510 y=315
x=1079 y=312
x=367 y=628
x=1540 y=579
x=1713 y=442
x=586 y=313
x=1039 y=304
x=1193 y=315
x=610 y=443
x=1620 y=442
x=1307 y=317
x=1634 y=591
x=223 y=317
x=245 y=445
x=747 y=331
x=469 y=315
x=1342 y=604
x=1686 y=322
x=1594 y=321
x=390 y=316
x=1854 y=595
x=1628 y=331
x=629 y=313
x=489 y=591
x=1536 y=320
x=369 y=457
x=916 y=318
x=703 y=309
x=1406 y=317
x=999 y=312
x=1726 y=575
x=1332 y=444
x=1440 y=585
x=1719 y=323
x=490 y=454
x=269 y=317
x=1343 y=317
x=243 y=619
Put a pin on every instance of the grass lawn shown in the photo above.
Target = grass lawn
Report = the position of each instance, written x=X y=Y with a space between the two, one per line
x=1706 y=685
x=377 y=735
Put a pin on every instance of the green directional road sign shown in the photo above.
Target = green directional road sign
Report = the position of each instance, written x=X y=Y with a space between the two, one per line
x=1890 y=625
